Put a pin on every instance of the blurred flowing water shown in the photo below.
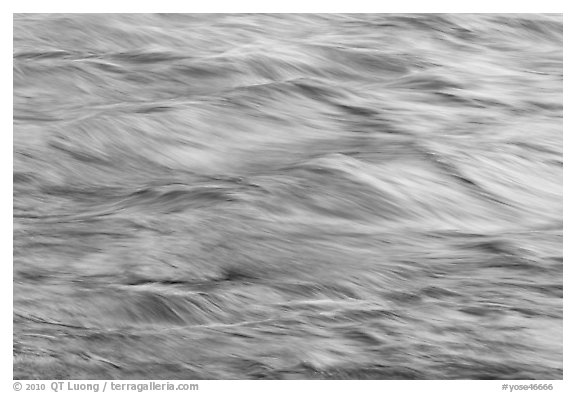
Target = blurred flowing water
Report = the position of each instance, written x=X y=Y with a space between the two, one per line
x=288 y=196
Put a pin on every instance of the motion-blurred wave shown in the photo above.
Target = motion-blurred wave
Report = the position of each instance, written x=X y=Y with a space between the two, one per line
x=288 y=196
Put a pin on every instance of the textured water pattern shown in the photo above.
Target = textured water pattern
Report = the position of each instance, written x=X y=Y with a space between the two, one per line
x=288 y=196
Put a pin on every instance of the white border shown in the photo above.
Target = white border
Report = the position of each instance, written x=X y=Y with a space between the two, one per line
x=293 y=6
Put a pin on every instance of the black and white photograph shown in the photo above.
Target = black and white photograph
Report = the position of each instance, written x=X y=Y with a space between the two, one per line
x=287 y=196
